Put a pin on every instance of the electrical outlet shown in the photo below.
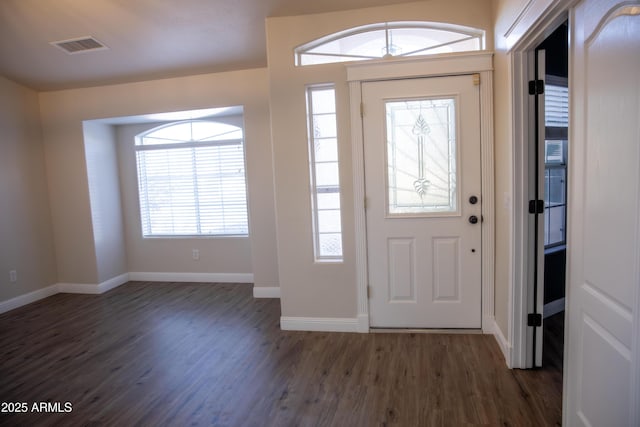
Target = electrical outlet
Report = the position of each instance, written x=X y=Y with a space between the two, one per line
x=13 y=276
x=195 y=254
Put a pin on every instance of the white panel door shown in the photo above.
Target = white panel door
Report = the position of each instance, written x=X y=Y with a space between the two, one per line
x=601 y=359
x=423 y=202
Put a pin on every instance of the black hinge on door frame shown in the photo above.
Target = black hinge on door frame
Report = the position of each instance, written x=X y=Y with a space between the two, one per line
x=534 y=319
x=536 y=87
x=536 y=206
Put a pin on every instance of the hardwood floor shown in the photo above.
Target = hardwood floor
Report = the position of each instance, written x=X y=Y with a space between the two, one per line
x=209 y=354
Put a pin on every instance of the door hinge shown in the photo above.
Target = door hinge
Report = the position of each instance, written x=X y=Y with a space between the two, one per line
x=536 y=87
x=534 y=319
x=361 y=109
x=369 y=292
x=536 y=206
x=476 y=79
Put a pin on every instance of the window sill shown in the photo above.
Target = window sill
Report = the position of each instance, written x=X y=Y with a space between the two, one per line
x=554 y=249
x=196 y=236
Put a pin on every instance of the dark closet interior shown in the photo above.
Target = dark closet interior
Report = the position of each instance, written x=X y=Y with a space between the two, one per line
x=556 y=161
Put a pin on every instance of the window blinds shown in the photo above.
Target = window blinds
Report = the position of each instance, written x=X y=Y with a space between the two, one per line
x=556 y=106
x=194 y=188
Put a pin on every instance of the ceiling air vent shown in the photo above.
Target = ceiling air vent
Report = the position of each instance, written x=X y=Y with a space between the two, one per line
x=79 y=45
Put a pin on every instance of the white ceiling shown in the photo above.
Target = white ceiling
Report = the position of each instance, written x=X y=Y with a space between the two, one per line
x=147 y=39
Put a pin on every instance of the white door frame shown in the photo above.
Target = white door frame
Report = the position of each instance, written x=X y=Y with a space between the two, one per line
x=529 y=29
x=480 y=63
x=533 y=25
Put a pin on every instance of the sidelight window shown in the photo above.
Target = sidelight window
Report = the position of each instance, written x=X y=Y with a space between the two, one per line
x=324 y=172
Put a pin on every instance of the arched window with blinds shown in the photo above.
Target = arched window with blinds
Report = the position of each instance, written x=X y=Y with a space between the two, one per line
x=191 y=180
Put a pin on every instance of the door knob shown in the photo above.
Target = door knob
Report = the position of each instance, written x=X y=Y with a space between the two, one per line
x=473 y=219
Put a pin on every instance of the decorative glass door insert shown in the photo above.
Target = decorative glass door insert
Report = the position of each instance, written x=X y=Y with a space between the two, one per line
x=421 y=157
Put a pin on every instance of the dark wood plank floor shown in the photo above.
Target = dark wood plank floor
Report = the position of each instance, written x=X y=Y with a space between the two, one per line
x=209 y=354
x=545 y=384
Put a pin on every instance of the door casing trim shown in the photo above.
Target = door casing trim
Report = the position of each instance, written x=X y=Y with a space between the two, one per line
x=433 y=66
x=551 y=14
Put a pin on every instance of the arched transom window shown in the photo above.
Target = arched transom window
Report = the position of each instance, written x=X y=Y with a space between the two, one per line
x=389 y=39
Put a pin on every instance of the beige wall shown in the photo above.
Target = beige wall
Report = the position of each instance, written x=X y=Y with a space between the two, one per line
x=63 y=114
x=505 y=13
x=503 y=153
x=310 y=289
x=69 y=195
x=220 y=255
x=104 y=195
x=26 y=240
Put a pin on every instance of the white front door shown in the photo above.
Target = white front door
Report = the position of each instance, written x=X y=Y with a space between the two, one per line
x=602 y=384
x=423 y=202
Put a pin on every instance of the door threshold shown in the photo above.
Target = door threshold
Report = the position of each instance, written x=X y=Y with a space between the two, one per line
x=424 y=331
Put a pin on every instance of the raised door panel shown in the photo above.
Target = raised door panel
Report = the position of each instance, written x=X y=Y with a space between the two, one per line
x=601 y=387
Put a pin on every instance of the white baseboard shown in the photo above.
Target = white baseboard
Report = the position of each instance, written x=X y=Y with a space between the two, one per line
x=363 y=323
x=319 y=324
x=488 y=324
x=554 y=307
x=192 y=277
x=502 y=343
x=113 y=283
x=266 y=292
x=91 y=288
x=25 y=299
x=79 y=288
x=107 y=285
x=63 y=288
